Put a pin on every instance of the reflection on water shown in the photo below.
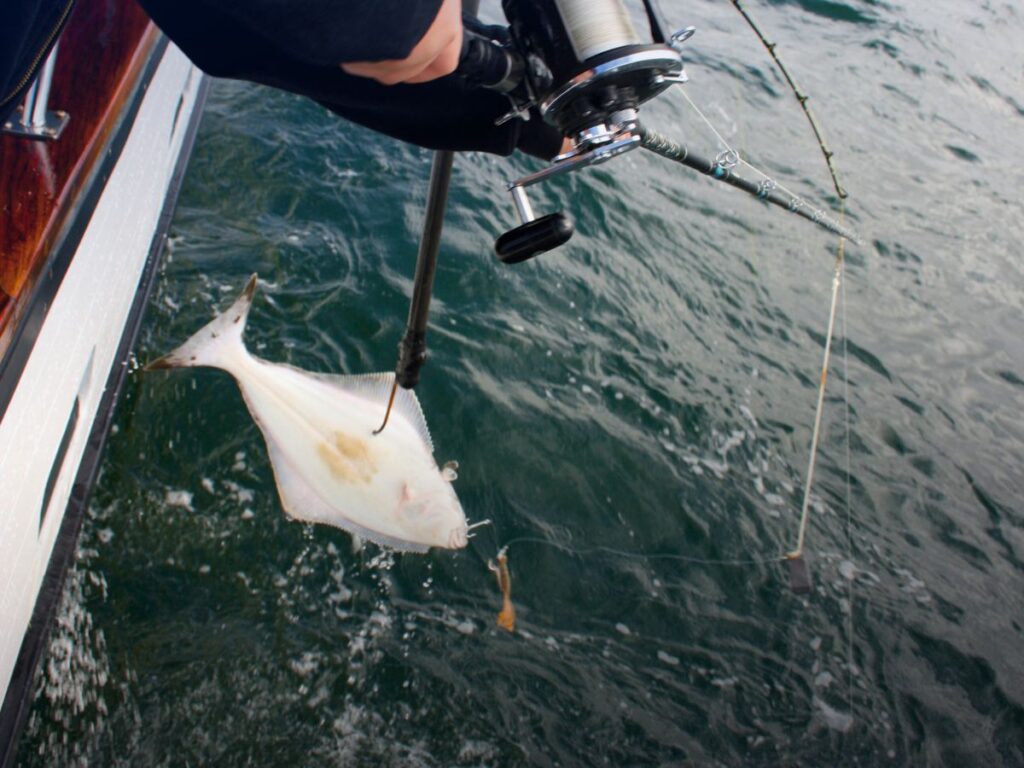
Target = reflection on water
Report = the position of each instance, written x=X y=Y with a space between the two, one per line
x=633 y=413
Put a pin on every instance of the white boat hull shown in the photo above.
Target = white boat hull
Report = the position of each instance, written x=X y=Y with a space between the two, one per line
x=58 y=416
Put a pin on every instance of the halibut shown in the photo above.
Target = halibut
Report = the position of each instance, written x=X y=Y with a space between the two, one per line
x=328 y=465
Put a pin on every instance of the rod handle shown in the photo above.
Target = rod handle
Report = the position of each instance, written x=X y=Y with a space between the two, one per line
x=485 y=63
x=534 y=237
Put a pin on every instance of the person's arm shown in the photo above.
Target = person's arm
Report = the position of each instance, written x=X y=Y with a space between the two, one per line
x=330 y=32
x=435 y=55
x=266 y=46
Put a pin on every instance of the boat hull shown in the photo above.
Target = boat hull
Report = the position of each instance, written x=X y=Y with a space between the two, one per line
x=65 y=361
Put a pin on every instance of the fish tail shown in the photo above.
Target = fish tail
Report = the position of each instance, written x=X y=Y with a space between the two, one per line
x=217 y=341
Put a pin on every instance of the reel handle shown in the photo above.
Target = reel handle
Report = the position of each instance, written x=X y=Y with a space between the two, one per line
x=534 y=237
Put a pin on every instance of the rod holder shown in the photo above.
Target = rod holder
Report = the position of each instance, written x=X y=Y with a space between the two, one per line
x=33 y=119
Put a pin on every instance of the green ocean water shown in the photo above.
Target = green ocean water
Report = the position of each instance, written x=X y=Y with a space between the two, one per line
x=632 y=412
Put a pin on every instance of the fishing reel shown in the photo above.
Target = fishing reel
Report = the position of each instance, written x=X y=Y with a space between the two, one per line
x=581 y=66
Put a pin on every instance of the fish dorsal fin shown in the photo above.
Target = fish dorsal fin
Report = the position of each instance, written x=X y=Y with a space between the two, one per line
x=377 y=388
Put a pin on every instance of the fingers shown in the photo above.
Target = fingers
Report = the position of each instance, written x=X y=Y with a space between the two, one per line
x=434 y=56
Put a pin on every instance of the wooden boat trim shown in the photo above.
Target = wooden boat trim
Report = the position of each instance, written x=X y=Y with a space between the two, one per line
x=56 y=246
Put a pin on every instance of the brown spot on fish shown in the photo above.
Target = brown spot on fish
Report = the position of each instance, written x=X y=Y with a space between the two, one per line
x=348 y=458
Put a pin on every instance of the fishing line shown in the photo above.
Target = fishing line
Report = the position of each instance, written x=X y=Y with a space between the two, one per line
x=730 y=150
x=801 y=97
x=819 y=410
x=642 y=555
x=730 y=158
x=837 y=284
x=849 y=490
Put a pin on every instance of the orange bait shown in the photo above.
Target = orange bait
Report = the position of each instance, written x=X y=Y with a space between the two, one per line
x=507 y=616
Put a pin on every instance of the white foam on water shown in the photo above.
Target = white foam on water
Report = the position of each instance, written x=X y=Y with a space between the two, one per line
x=668 y=658
x=181 y=499
x=306 y=664
x=478 y=752
x=823 y=680
x=75 y=676
x=241 y=494
x=833 y=718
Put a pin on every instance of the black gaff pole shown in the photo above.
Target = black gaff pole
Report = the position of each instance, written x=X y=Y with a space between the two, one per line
x=412 y=349
x=763 y=190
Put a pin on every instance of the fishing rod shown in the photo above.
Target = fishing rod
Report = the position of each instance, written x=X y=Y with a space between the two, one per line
x=581 y=66
x=721 y=169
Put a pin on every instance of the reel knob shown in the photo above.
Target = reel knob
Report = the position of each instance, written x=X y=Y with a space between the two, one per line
x=534 y=237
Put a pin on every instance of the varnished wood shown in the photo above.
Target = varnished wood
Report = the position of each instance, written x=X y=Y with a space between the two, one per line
x=102 y=53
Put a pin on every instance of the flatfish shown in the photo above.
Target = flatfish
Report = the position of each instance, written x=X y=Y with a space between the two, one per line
x=328 y=464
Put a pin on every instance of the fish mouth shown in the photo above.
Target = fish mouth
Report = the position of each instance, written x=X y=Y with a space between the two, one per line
x=459 y=537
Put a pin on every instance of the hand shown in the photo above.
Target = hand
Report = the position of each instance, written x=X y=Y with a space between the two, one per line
x=435 y=55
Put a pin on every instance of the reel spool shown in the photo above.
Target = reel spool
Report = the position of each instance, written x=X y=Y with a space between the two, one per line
x=586 y=63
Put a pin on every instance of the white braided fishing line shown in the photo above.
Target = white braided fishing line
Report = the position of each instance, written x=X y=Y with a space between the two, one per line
x=596 y=26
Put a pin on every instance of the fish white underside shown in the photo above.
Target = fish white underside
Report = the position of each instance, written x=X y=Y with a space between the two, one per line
x=328 y=465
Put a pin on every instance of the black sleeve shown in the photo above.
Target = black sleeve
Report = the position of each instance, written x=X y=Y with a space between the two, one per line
x=328 y=32
x=441 y=114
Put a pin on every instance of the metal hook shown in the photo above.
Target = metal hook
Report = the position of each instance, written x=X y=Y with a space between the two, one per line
x=391 y=402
